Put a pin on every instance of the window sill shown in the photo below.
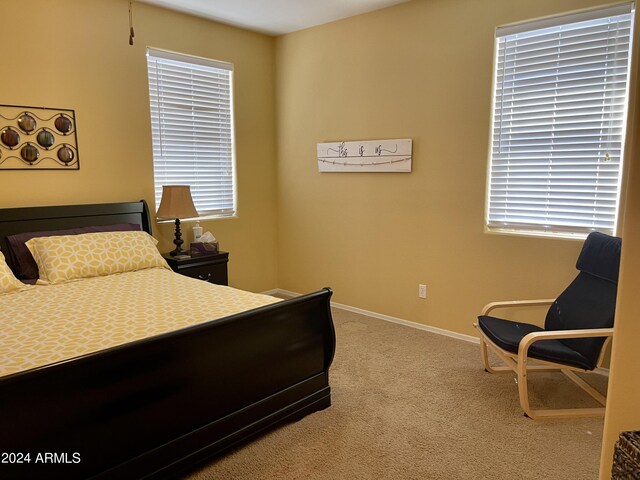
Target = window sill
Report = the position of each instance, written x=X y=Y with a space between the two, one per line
x=536 y=234
x=199 y=219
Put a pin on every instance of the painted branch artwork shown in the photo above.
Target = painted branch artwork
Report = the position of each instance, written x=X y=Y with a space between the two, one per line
x=35 y=138
x=366 y=156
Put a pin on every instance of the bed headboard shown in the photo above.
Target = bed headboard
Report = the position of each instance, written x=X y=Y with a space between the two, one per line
x=62 y=217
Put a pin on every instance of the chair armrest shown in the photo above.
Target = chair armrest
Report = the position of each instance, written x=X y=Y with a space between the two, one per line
x=516 y=303
x=533 y=337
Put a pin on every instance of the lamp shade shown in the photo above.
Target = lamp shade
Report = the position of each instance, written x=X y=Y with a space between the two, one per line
x=176 y=202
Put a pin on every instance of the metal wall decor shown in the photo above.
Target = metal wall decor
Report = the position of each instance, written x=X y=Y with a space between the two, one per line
x=36 y=138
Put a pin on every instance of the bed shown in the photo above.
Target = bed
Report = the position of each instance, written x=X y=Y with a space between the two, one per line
x=156 y=406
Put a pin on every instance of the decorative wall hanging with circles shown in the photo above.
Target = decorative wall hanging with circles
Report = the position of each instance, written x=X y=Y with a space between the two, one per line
x=35 y=138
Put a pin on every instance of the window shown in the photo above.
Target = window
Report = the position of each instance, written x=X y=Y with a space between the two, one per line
x=559 y=115
x=192 y=128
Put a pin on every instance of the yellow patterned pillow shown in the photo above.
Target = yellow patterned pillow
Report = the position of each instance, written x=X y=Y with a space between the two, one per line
x=8 y=281
x=69 y=257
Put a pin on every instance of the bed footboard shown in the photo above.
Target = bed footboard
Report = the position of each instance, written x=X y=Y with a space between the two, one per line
x=154 y=407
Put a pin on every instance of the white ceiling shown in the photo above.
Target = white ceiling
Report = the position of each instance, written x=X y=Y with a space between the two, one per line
x=274 y=17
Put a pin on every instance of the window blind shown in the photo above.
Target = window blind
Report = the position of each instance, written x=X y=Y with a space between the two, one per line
x=558 y=123
x=192 y=128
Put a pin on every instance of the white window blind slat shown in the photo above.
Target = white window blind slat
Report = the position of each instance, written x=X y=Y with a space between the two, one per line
x=525 y=49
x=560 y=96
x=173 y=103
x=569 y=20
x=190 y=100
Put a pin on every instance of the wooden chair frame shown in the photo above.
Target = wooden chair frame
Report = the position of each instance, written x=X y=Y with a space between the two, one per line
x=519 y=363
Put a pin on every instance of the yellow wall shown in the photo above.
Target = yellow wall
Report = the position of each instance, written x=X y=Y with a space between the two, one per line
x=623 y=397
x=75 y=54
x=420 y=70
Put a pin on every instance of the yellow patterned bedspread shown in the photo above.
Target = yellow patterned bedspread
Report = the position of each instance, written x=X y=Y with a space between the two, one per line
x=47 y=324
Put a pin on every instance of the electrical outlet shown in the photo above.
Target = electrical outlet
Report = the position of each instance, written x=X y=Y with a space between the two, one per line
x=422 y=291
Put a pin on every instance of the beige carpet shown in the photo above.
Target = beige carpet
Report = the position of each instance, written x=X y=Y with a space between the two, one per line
x=409 y=404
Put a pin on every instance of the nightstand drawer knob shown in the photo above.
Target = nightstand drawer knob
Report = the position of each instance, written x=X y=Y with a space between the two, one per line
x=207 y=278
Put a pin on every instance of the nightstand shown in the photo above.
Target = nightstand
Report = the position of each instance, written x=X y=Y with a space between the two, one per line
x=211 y=268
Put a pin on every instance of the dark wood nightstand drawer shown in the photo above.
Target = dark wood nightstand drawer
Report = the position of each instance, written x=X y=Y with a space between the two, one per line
x=211 y=268
x=215 y=273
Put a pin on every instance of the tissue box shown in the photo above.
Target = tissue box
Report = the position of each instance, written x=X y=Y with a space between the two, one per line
x=203 y=248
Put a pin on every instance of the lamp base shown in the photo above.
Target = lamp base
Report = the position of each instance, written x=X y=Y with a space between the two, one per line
x=176 y=252
x=178 y=242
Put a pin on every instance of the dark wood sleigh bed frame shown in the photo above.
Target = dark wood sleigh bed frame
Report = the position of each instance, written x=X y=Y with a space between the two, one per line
x=156 y=407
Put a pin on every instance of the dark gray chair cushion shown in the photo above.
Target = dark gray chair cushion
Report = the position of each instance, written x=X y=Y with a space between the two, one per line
x=588 y=302
x=507 y=335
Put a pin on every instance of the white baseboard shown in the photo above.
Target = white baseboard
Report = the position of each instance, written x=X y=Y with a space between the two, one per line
x=275 y=291
x=407 y=323
x=387 y=318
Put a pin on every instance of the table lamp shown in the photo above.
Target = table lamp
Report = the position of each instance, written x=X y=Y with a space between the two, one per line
x=176 y=202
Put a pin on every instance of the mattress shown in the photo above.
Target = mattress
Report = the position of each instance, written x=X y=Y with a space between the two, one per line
x=51 y=323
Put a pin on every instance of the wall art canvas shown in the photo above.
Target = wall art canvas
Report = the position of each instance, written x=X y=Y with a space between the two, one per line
x=365 y=156
x=37 y=138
